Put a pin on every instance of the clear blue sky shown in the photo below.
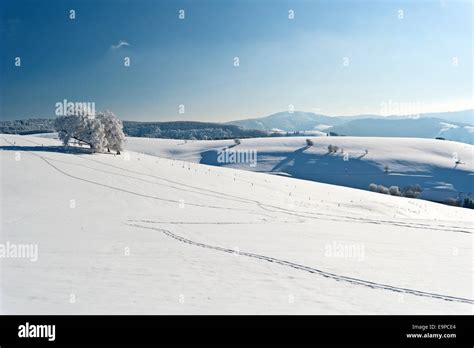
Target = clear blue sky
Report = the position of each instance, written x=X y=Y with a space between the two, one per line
x=409 y=60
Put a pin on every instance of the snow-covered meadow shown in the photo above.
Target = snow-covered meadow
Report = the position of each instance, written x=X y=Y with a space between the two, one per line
x=444 y=169
x=144 y=234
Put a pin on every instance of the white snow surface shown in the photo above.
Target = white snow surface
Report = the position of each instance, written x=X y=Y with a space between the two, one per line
x=429 y=163
x=213 y=240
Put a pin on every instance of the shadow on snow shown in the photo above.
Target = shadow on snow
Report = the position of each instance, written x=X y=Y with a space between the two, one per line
x=60 y=149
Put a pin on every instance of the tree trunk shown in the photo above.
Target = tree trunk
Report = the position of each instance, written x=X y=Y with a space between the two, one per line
x=85 y=142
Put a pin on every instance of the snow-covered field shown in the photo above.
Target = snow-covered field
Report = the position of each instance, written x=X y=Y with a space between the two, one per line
x=399 y=162
x=136 y=234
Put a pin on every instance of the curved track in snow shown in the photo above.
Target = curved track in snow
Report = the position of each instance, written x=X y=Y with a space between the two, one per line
x=263 y=206
x=337 y=277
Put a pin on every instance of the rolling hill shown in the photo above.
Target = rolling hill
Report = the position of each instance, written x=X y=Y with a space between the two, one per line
x=416 y=128
x=140 y=234
x=429 y=163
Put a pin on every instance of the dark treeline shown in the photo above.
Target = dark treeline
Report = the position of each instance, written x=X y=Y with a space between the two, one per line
x=170 y=130
x=189 y=130
x=29 y=126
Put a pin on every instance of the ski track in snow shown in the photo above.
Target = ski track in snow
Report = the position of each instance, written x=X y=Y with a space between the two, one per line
x=265 y=207
x=353 y=281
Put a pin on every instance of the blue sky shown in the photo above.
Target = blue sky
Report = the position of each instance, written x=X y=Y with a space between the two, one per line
x=334 y=57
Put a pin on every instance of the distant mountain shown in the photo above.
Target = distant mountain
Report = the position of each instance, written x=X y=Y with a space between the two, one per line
x=304 y=121
x=413 y=128
x=456 y=126
x=291 y=122
x=465 y=116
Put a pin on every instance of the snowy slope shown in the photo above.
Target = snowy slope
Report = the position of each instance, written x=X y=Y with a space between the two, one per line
x=205 y=239
x=415 y=128
x=428 y=162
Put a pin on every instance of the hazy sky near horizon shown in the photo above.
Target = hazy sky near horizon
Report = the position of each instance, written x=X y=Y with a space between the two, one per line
x=334 y=57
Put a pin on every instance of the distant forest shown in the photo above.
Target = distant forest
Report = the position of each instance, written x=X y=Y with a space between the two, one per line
x=170 y=130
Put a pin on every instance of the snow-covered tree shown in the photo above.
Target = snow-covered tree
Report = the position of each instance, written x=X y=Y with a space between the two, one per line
x=113 y=131
x=94 y=134
x=382 y=189
x=395 y=191
x=101 y=131
x=85 y=129
x=67 y=127
x=411 y=191
x=373 y=187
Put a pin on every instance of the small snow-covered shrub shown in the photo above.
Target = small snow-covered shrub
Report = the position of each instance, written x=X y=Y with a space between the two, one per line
x=333 y=148
x=237 y=141
x=411 y=191
x=309 y=142
x=394 y=191
x=382 y=189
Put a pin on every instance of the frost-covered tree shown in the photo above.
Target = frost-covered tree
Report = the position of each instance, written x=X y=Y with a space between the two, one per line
x=373 y=187
x=101 y=131
x=94 y=134
x=113 y=131
x=395 y=191
x=85 y=129
x=412 y=191
x=382 y=189
x=68 y=127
